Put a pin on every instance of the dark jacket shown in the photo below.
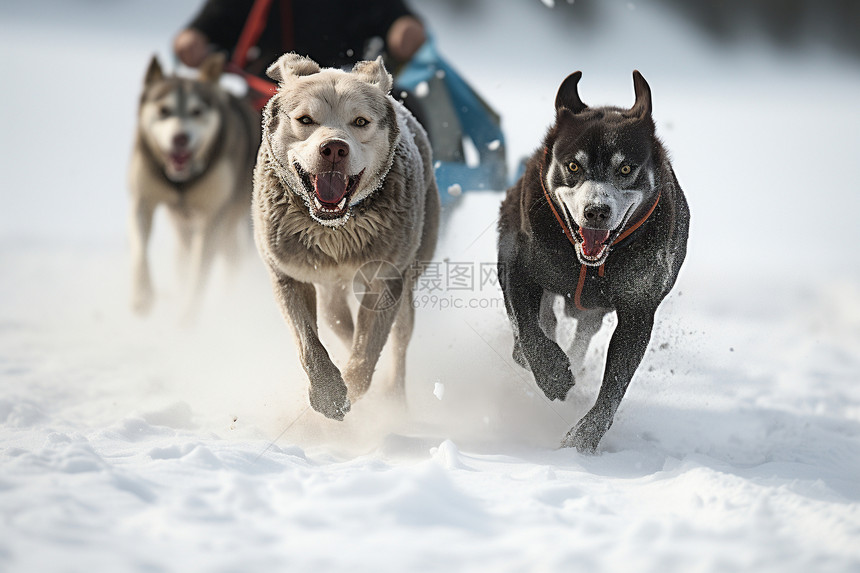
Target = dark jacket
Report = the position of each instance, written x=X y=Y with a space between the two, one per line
x=335 y=33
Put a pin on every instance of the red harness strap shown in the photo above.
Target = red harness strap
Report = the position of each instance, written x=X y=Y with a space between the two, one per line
x=254 y=26
x=251 y=32
x=583 y=269
x=288 y=28
x=263 y=89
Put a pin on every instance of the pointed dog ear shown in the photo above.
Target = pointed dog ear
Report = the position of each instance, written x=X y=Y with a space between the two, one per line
x=374 y=73
x=212 y=67
x=568 y=96
x=292 y=64
x=154 y=72
x=642 y=107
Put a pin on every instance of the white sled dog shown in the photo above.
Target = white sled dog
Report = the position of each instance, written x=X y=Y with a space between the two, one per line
x=344 y=197
x=194 y=153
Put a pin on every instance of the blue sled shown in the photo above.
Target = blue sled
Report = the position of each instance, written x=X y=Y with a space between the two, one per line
x=466 y=134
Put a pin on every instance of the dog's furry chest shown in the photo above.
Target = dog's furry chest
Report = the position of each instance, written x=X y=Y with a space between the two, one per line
x=623 y=281
x=305 y=247
x=204 y=196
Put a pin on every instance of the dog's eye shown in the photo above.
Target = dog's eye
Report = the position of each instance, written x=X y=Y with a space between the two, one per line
x=625 y=169
x=164 y=112
x=195 y=112
x=360 y=122
x=306 y=120
x=574 y=167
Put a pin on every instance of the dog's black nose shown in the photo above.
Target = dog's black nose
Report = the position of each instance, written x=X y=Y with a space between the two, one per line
x=334 y=150
x=597 y=213
x=180 y=140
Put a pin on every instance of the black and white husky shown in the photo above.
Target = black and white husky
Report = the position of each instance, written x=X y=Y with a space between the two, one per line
x=194 y=153
x=599 y=219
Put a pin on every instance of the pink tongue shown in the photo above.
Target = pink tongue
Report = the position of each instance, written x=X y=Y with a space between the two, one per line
x=330 y=187
x=180 y=158
x=592 y=241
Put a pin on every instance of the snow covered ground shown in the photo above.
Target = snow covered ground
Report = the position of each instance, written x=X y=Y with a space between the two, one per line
x=136 y=445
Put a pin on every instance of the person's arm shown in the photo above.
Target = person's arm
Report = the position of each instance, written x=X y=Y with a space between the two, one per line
x=219 y=23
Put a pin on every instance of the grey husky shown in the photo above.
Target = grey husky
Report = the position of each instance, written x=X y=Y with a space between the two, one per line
x=194 y=153
x=344 y=196
x=600 y=220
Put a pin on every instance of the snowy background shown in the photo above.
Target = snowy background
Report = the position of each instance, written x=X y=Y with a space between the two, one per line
x=136 y=445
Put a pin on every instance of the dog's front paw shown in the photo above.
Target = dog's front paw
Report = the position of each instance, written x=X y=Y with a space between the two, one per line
x=555 y=379
x=329 y=400
x=142 y=300
x=586 y=435
x=328 y=392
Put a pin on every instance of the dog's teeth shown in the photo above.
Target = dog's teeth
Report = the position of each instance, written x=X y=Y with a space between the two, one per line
x=342 y=204
x=317 y=203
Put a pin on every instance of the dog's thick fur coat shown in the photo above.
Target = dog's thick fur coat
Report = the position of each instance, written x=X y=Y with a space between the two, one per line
x=194 y=153
x=344 y=179
x=600 y=172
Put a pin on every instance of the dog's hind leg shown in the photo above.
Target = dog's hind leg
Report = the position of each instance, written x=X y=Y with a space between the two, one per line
x=588 y=323
x=297 y=301
x=333 y=308
x=373 y=325
x=626 y=349
x=404 y=324
x=204 y=244
x=505 y=258
x=140 y=228
x=547 y=318
x=184 y=236
x=234 y=227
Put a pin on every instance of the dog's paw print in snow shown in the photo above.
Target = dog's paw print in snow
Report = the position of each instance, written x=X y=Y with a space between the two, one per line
x=69 y=454
x=20 y=413
x=73 y=454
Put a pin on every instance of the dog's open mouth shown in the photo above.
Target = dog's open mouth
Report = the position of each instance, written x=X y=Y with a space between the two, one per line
x=594 y=246
x=330 y=192
x=179 y=159
x=178 y=165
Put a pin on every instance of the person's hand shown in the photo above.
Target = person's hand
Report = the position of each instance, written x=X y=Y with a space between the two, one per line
x=405 y=36
x=191 y=47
